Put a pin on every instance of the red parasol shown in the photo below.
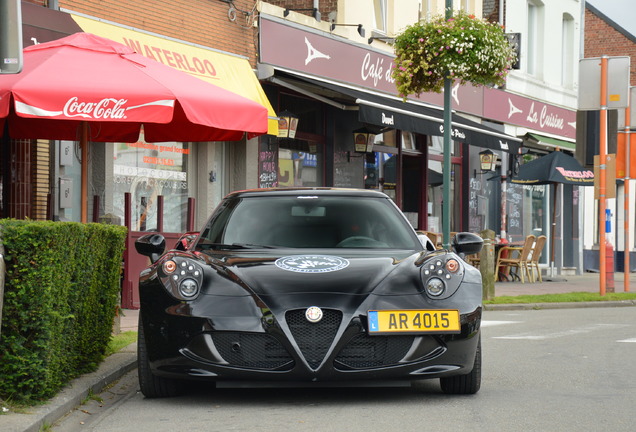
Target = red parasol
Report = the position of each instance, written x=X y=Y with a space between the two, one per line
x=87 y=88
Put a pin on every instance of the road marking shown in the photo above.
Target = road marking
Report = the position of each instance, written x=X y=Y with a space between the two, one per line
x=495 y=323
x=564 y=333
x=632 y=340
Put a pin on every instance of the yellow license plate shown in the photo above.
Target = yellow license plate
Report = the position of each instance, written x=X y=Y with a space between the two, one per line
x=414 y=321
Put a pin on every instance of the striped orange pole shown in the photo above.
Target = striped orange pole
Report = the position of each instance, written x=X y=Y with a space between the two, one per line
x=628 y=138
x=602 y=176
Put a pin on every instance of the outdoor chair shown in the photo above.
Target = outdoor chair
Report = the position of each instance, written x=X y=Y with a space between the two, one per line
x=517 y=257
x=536 y=254
x=473 y=259
x=436 y=238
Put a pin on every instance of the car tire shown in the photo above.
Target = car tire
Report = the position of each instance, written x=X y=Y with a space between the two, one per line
x=151 y=385
x=465 y=384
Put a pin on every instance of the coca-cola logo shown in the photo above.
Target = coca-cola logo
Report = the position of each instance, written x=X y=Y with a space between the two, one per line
x=107 y=108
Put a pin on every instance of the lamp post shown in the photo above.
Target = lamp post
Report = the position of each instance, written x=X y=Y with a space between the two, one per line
x=446 y=206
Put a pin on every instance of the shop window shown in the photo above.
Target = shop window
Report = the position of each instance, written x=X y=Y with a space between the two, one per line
x=300 y=163
x=535 y=38
x=568 y=53
x=146 y=171
x=380 y=14
x=386 y=139
x=301 y=159
x=436 y=146
x=408 y=141
x=381 y=167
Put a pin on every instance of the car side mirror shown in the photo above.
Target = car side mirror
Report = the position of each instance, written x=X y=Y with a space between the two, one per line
x=467 y=243
x=151 y=245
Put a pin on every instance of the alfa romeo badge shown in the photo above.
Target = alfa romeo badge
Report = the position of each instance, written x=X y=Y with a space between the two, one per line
x=313 y=314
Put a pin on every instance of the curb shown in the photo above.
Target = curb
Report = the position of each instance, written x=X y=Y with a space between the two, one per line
x=564 y=305
x=73 y=395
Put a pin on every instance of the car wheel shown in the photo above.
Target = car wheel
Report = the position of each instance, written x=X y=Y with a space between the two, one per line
x=152 y=386
x=465 y=384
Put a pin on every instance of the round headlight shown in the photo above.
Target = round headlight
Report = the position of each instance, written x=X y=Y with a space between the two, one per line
x=189 y=287
x=435 y=287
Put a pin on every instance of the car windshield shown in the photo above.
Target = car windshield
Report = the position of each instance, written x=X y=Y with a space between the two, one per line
x=308 y=222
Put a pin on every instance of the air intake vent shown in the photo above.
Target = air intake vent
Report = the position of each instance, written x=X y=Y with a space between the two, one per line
x=252 y=350
x=365 y=352
x=314 y=339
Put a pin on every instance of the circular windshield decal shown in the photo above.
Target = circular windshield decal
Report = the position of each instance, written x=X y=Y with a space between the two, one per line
x=311 y=263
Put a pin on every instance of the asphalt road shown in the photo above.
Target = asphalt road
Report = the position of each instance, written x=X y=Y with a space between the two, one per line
x=544 y=370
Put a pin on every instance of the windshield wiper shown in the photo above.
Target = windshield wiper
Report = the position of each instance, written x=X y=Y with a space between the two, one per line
x=234 y=246
x=252 y=246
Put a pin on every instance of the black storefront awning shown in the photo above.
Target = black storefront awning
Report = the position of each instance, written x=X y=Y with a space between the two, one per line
x=382 y=110
x=429 y=121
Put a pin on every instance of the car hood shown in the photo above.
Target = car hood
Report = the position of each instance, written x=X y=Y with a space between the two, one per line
x=348 y=273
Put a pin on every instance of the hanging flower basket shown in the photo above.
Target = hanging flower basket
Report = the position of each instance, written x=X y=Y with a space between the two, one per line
x=462 y=48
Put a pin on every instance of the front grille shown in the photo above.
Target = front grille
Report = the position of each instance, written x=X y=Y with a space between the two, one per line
x=252 y=350
x=314 y=339
x=365 y=352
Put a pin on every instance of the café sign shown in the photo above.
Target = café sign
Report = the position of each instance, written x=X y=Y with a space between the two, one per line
x=320 y=54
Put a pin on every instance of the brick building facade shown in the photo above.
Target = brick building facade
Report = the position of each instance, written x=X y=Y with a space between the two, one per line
x=223 y=26
x=604 y=37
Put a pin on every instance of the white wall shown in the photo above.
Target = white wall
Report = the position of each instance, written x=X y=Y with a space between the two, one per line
x=546 y=82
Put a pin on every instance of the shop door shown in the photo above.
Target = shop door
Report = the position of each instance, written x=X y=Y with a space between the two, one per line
x=435 y=192
x=412 y=190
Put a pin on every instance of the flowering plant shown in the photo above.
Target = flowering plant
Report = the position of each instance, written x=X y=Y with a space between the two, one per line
x=463 y=48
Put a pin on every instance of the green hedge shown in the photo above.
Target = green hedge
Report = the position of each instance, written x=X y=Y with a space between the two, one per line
x=62 y=290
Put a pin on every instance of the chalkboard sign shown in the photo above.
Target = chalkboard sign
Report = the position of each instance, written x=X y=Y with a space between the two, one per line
x=514 y=201
x=267 y=164
x=347 y=170
x=476 y=210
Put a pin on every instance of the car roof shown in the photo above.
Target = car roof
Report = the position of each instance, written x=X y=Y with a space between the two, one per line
x=319 y=191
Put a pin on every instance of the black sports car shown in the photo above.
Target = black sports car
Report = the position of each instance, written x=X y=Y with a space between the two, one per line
x=308 y=287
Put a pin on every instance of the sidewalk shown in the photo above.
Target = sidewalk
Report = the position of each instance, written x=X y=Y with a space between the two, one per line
x=117 y=365
x=586 y=282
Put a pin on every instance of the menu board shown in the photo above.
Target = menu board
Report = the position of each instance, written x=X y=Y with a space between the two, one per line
x=267 y=163
x=347 y=171
x=476 y=212
x=514 y=201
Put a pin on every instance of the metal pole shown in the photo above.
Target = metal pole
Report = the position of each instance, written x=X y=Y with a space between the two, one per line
x=553 y=228
x=84 y=170
x=602 y=176
x=446 y=171
x=628 y=136
x=504 y=195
